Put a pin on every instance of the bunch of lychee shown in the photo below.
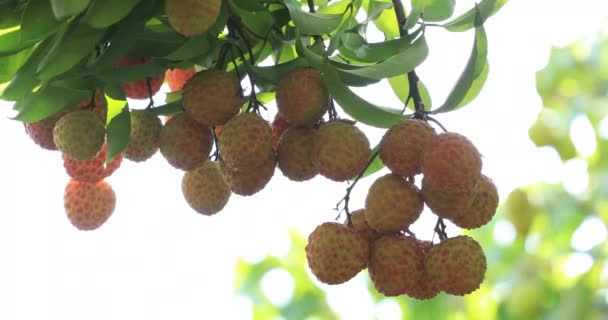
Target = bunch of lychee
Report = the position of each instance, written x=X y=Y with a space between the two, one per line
x=378 y=238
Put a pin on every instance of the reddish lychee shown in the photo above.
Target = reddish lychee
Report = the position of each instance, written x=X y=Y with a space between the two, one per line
x=360 y=224
x=294 y=154
x=482 y=208
x=448 y=204
x=245 y=141
x=141 y=88
x=145 y=135
x=302 y=96
x=88 y=205
x=425 y=288
x=185 y=143
x=402 y=145
x=92 y=170
x=249 y=181
x=205 y=189
x=41 y=131
x=279 y=125
x=176 y=78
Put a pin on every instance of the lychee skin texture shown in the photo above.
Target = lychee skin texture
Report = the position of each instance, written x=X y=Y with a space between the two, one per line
x=452 y=162
x=246 y=182
x=302 y=96
x=396 y=264
x=482 y=208
x=79 y=135
x=41 y=131
x=357 y=218
x=336 y=253
x=402 y=145
x=176 y=78
x=295 y=154
x=392 y=204
x=92 y=170
x=205 y=189
x=340 y=151
x=245 y=141
x=212 y=97
x=279 y=125
x=88 y=205
x=192 y=17
x=457 y=265
x=185 y=143
x=448 y=204
x=138 y=89
x=425 y=288
x=145 y=136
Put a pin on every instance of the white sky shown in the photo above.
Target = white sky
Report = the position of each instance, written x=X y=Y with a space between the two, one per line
x=157 y=259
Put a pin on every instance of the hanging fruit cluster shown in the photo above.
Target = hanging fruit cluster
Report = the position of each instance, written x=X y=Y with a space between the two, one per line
x=71 y=67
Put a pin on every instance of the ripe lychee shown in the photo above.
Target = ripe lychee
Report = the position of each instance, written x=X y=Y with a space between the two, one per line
x=88 y=205
x=392 y=204
x=336 y=253
x=142 y=88
x=205 y=189
x=302 y=96
x=41 y=131
x=246 y=182
x=396 y=264
x=92 y=170
x=482 y=208
x=212 y=97
x=185 y=143
x=79 y=134
x=340 y=150
x=357 y=218
x=451 y=162
x=176 y=78
x=294 y=154
x=245 y=141
x=145 y=135
x=425 y=288
x=279 y=125
x=402 y=145
x=457 y=265
x=448 y=204
x=192 y=17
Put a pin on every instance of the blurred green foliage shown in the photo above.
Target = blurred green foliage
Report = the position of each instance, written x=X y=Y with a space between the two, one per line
x=536 y=271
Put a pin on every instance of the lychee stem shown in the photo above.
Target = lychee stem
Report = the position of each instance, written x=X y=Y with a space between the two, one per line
x=150 y=95
x=440 y=229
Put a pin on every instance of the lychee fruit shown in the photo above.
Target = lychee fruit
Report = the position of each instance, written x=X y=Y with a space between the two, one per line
x=88 y=205
x=245 y=141
x=279 y=125
x=205 y=189
x=336 y=253
x=302 y=96
x=192 y=17
x=392 y=204
x=425 y=288
x=80 y=134
x=396 y=264
x=457 y=265
x=185 y=143
x=212 y=97
x=402 y=145
x=340 y=150
x=92 y=170
x=176 y=78
x=41 y=131
x=448 y=204
x=142 y=88
x=451 y=162
x=145 y=135
x=246 y=182
x=294 y=154
x=483 y=206
x=360 y=224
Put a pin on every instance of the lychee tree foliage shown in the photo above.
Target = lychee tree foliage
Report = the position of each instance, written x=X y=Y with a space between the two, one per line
x=71 y=66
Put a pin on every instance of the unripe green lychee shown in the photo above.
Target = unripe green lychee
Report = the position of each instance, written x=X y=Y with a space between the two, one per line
x=425 y=288
x=396 y=264
x=336 y=253
x=145 y=135
x=88 y=205
x=142 y=88
x=185 y=143
x=457 y=265
x=340 y=150
x=176 y=78
x=392 y=204
x=212 y=97
x=482 y=208
x=402 y=145
x=192 y=17
x=448 y=204
x=246 y=182
x=302 y=96
x=94 y=169
x=79 y=135
x=360 y=224
x=294 y=154
x=451 y=161
x=245 y=141
x=205 y=189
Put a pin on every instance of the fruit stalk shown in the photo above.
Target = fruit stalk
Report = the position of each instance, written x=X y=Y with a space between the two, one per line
x=346 y=197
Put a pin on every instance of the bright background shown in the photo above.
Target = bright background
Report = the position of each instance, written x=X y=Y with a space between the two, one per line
x=156 y=258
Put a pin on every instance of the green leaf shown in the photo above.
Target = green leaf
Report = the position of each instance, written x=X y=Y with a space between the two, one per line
x=473 y=76
x=104 y=13
x=47 y=101
x=131 y=73
x=400 y=85
x=10 y=42
x=434 y=10
x=10 y=64
x=376 y=8
x=254 y=16
x=25 y=79
x=350 y=79
x=355 y=47
x=68 y=8
x=468 y=20
x=386 y=21
x=376 y=165
x=273 y=74
x=119 y=128
x=312 y=23
x=169 y=109
x=38 y=22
